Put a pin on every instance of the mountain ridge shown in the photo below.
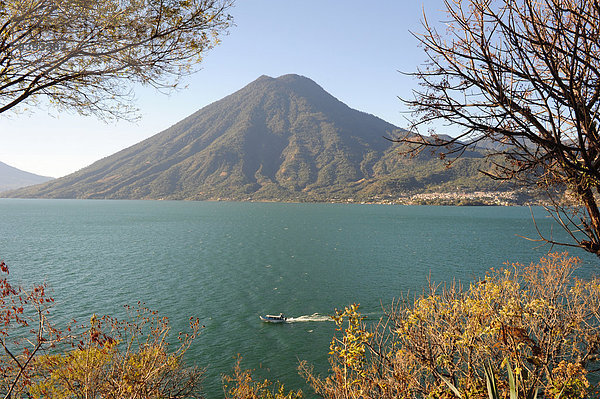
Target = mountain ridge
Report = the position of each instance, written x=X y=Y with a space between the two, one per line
x=282 y=138
x=12 y=178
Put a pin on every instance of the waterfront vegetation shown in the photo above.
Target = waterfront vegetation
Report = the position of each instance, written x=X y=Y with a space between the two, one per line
x=538 y=321
x=532 y=330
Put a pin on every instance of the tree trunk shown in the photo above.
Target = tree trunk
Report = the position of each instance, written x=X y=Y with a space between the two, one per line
x=593 y=230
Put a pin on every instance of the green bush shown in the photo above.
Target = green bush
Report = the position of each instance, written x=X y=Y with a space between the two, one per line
x=540 y=319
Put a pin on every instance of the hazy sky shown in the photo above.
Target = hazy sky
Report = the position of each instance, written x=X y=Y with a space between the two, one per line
x=353 y=49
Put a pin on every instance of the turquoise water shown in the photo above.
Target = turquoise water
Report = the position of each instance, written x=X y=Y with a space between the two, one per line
x=227 y=263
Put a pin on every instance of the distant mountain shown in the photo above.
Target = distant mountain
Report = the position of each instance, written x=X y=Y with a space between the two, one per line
x=279 y=138
x=12 y=178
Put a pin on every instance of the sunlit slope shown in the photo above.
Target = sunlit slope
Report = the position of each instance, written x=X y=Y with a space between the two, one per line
x=276 y=139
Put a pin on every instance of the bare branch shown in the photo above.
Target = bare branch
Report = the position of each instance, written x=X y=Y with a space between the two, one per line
x=522 y=80
x=85 y=56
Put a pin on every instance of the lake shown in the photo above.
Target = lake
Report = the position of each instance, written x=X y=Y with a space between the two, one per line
x=227 y=263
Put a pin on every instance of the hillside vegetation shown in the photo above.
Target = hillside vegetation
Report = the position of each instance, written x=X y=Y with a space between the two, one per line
x=277 y=139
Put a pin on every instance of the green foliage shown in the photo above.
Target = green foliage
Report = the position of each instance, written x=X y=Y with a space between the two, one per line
x=492 y=385
x=539 y=321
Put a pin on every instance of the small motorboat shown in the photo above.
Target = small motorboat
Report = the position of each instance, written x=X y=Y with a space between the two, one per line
x=274 y=319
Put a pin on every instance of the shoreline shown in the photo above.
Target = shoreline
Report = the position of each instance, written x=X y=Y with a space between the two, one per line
x=475 y=198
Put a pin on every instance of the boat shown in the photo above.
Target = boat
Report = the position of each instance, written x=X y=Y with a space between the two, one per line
x=269 y=318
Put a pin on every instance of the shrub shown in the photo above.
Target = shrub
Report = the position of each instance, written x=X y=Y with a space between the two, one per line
x=241 y=385
x=540 y=319
x=25 y=332
x=120 y=359
x=107 y=359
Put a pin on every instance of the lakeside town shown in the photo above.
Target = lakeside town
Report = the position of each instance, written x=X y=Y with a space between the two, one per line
x=457 y=198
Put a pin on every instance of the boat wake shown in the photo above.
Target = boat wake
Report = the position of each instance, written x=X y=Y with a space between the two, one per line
x=315 y=317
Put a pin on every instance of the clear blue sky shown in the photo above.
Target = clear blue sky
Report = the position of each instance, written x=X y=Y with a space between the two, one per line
x=353 y=49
